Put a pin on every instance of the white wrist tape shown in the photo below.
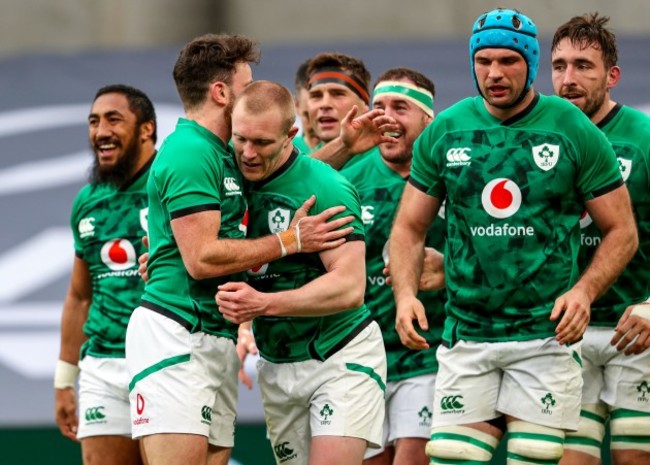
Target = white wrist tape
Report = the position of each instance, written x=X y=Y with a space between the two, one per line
x=283 y=249
x=642 y=311
x=298 y=243
x=65 y=375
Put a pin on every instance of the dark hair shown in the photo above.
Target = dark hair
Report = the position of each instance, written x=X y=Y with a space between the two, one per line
x=587 y=30
x=348 y=63
x=301 y=80
x=139 y=104
x=210 y=58
x=418 y=79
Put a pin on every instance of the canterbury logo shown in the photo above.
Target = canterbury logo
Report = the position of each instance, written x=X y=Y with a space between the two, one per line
x=458 y=156
x=231 y=185
x=451 y=403
x=206 y=413
x=282 y=450
x=86 y=227
x=94 y=414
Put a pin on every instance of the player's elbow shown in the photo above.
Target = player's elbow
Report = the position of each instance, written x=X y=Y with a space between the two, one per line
x=196 y=271
x=633 y=241
x=200 y=270
x=354 y=296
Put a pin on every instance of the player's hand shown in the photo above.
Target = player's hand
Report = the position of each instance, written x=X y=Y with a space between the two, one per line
x=65 y=412
x=433 y=271
x=632 y=332
x=238 y=302
x=574 y=307
x=408 y=311
x=142 y=261
x=245 y=345
x=320 y=232
x=360 y=134
x=303 y=211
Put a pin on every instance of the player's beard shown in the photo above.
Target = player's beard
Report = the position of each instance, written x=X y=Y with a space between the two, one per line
x=399 y=158
x=401 y=154
x=594 y=102
x=119 y=173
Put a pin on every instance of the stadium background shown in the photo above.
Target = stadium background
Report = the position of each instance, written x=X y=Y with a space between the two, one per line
x=54 y=55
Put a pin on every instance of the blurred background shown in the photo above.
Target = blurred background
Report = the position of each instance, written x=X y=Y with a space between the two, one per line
x=55 y=55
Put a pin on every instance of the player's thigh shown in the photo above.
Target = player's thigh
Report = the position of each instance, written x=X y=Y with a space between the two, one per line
x=286 y=389
x=627 y=380
x=175 y=449
x=218 y=455
x=410 y=408
x=177 y=377
x=467 y=384
x=410 y=451
x=103 y=398
x=542 y=383
x=328 y=450
x=383 y=456
x=110 y=450
x=349 y=400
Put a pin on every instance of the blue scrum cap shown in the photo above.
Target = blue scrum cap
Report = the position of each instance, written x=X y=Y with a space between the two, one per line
x=502 y=28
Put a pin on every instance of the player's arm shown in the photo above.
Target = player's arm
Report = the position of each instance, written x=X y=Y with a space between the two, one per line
x=207 y=256
x=340 y=288
x=432 y=277
x=612 y=213
x=74 y=315
x=358 y=135
x=245 y=345
x=416 y=212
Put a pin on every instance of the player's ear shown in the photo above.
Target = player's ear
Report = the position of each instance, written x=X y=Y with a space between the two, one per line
x=613 y=76
x=146 y=130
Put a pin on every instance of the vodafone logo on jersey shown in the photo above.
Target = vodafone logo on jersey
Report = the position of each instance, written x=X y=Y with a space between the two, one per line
x=258 y=270
x=243 y=227
x=585 y=220
x=501 y=198
x=119 y=254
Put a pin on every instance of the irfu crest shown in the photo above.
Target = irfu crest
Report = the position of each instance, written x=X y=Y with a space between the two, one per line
x=546 y=155
x=279 y=220
x=625 y=166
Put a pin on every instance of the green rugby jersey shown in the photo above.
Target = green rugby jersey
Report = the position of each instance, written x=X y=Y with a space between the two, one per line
x=300 y=144
x=352 y=161
x=273 y=203
x=380 y=189
x=193 y=172
x=629 y=132
x=108 y=223
x=514 y=193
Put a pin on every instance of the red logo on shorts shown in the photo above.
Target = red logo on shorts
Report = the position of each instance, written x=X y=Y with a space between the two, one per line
x=139 y=404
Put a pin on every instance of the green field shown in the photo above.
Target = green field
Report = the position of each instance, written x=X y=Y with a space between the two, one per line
x=45 y=446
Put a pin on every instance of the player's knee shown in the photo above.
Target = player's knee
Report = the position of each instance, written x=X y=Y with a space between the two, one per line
x=528 y=442
x=460 y=443
x=630 y=430
x=591 y=430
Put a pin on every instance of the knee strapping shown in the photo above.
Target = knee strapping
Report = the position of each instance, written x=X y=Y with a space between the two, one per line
x=454 y=444
x=630 y=430
x=591 y=430
x=529 y=443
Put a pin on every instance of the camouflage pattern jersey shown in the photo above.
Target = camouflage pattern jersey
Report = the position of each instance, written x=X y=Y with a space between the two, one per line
x=514 y=192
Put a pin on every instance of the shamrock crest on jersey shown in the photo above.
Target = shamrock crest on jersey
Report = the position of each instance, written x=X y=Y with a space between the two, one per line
x=279 y=220
x=546 y=155
x=625 y=166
